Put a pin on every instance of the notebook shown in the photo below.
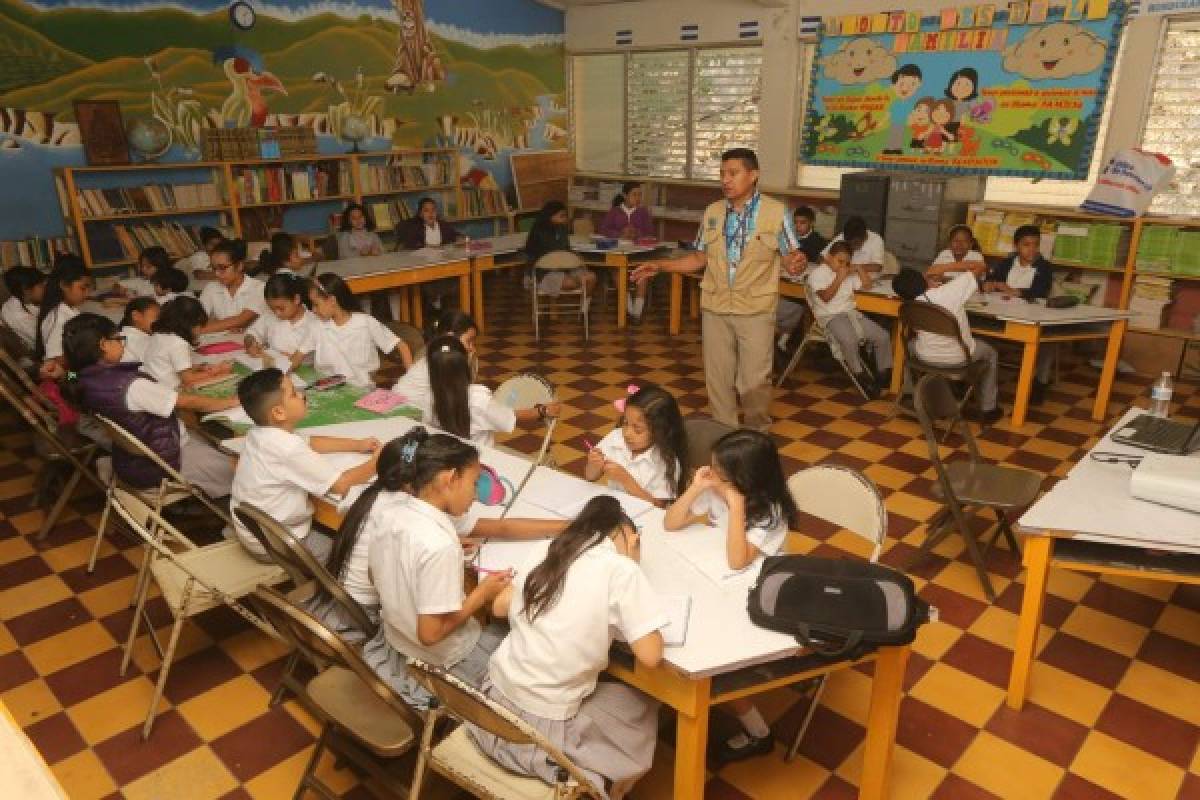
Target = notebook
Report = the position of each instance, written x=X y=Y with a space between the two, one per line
x=679 y=612
x=380 y=401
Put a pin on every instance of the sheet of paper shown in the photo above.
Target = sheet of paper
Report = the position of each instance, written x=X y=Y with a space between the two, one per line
x=565 y=495
x=704 y=548
x=633 y=506
x=235 y=416
x=515 y=555
x=679 y=611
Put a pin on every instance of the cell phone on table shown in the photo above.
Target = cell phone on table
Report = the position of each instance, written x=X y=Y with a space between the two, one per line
x=328 y=382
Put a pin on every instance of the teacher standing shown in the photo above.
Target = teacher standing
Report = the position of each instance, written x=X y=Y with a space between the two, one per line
x=742 y=243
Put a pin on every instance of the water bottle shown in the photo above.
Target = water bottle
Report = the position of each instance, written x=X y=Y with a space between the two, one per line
x=1160 y=396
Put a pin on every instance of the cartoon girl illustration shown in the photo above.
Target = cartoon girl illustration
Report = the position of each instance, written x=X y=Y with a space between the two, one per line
x=962 y=89
x=940 y=117
x=918 y=122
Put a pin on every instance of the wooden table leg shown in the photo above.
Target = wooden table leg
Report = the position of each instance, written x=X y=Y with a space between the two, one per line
x=675 y=320
x=622 y=277
x=477 y=287
x=1038 y=550
x=1025 y=382
x=398 y=300
x=418 y=312
x=899 y=354
x=691 y=745
x=464 y=292
x=886 y=691
x=694 y=301
x=1108 y=373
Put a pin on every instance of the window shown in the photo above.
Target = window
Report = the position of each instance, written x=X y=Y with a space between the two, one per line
x=1173 y=117
x=664 y=113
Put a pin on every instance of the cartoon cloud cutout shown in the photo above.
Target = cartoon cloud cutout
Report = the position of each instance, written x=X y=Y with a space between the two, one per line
x=859 y=61
x=1058 y=50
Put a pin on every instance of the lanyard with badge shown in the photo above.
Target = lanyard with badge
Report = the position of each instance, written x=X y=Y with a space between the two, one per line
x=741 y=232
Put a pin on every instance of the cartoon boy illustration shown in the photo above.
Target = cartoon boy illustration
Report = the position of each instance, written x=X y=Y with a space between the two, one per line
x=918 y=122
x=905 y=83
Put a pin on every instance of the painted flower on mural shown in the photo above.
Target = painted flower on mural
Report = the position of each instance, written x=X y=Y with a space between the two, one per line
x=177 y=108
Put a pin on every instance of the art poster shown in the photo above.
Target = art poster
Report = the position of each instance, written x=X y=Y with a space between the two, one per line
x=993 y=89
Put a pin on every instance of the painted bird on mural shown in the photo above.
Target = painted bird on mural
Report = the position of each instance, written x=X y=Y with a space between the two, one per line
x=245 y=105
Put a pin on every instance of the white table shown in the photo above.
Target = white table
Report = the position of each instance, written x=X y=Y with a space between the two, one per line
x=1089 y=522
x=403 y=270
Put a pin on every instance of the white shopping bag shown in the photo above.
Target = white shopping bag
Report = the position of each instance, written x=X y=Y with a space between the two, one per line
x=1128 y=183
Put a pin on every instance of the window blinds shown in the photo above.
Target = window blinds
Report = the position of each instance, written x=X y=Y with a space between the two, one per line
x=726 y=88
x=657 y=114
x=1173 y=118
x=598 y=111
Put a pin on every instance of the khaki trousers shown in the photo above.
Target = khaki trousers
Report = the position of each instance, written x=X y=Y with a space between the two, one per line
x=737 y=362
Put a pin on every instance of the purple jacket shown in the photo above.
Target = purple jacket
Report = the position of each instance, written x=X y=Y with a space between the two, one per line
x=616 y=220
x=104 y=387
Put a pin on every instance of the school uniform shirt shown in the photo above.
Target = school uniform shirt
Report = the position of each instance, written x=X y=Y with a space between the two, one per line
x=767 y=540
x=821 y=277
x=812 y=244
x=52 y=329
x=648 y=468
x=151 y=397
x=167 y=354
x=870 y=253
x=21 y=320
x=952 y=296
x=947 y=257
x=218 y=303
x=286 y=336
x=352 y=349
x=136 y=342
x=487 y=415
x=416 y=563
x=166 y=297
x=277 y=472
x=549 y=666
x=138 y=287
x=1034 y=281
x=198 y=261
x=415 y=386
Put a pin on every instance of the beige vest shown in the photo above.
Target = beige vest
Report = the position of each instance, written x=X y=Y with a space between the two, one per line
x=755 y=288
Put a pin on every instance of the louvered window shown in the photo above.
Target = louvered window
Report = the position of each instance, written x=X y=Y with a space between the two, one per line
x=726 y=87
x=1173 y=118
x=657 y=112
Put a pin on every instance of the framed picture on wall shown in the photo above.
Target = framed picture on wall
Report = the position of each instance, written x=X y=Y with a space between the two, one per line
x=102 y=132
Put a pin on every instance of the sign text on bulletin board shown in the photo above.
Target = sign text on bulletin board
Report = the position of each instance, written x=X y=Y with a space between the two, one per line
x=1014 y=89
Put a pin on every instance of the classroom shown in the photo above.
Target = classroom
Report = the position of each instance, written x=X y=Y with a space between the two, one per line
x=600 y=399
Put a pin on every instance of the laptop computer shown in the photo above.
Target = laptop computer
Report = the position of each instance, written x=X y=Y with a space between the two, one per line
x=1159 y=435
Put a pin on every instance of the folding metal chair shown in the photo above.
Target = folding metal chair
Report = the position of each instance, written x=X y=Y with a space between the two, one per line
x=850 y=500
x=391 y=368
x=326 y=597
x=918 y=316
x=962 y=485
x=816 y=335
x=192 y=582
x=364 y=721
x=701 y=435
x=559 y=261
x=527 y=390
x=457 y=758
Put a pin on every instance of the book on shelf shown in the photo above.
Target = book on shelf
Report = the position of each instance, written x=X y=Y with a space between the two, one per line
x=292 y=182
x=148 y=199
x=259 y=223
x=483 y=202
x=403 y=176
x=35 y=251
x=123 y=241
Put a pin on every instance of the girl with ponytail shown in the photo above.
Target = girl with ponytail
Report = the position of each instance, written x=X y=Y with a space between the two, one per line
x=562 y=613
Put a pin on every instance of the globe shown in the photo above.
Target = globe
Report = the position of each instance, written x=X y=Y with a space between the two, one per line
x=150 y=137
x=354 y=129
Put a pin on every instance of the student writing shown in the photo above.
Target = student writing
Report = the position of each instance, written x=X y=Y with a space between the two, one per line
x=136 y=326
x=646 y=454
x=234 y=300
x=290 y=329
x=168 y=356
x=348 y=342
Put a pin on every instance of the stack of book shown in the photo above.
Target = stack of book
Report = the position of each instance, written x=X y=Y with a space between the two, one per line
x=1152 y=296
x=35 y=251
x=229 y=144
x=293 y=182
x=148 y=199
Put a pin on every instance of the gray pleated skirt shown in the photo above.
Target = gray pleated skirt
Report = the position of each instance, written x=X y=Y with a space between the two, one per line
x=611 y=738
x=391 y=665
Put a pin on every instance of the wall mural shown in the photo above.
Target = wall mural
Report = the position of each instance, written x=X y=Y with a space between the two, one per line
x=991 y=89
x=484 y=76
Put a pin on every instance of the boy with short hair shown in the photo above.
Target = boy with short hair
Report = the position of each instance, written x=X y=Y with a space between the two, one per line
x=1028 y=275
x=279 y=469
x=810 y=245
x=834 y=284
x=953 y=295
x=866 y=247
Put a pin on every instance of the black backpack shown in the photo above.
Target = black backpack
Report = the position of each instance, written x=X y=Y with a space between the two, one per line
x=838 y=608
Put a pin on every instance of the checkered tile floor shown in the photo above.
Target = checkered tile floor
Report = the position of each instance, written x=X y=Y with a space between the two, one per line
x=1115 y=708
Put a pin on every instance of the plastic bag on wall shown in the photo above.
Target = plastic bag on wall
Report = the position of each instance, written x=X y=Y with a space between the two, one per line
x=1128 y=183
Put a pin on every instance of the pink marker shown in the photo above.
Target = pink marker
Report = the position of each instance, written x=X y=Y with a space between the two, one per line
x=587 y=444
x=486 y=571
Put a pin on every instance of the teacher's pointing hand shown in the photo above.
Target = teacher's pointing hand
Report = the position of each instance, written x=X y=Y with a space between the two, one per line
x=646 y=270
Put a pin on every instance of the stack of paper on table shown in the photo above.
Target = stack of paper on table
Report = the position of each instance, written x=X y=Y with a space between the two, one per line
x=549 y=488
x=704 y=548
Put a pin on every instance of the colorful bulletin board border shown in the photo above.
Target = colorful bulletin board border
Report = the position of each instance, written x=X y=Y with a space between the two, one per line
x=983 y=89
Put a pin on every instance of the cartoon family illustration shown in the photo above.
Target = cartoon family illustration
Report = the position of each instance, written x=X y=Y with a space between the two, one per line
x=935 y=125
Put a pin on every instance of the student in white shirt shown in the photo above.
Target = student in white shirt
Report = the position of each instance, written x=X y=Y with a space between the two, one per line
x=834 y=284
x=26 y=287
x=168 y=284
x=414 y=383
x=743 y=492
x=290 y=329
x=646 y=455
x=1027 y=274
x=416 y=562
x=348 y=342
x=149 y=262
x=961 y=255
x=866 y=247
x=468 y=409
x=953 y=295
x=564 y=611
x=233 y=301
x=94 y=352
x=284 y=256
x=197 y=265
x=67 y=288
x=168 y=357
x=279 y=470
x=140 y=315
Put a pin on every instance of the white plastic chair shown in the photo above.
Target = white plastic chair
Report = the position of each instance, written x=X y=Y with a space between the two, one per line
x=554 y=305
x=816 y=335
x=850 y=500
x=192 y=582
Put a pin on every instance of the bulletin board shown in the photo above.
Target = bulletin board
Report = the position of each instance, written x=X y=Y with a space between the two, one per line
x=995 y=89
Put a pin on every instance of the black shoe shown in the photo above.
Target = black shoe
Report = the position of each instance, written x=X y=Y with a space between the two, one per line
x=1037 y=393
x=868 y=385
x=755 y=746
